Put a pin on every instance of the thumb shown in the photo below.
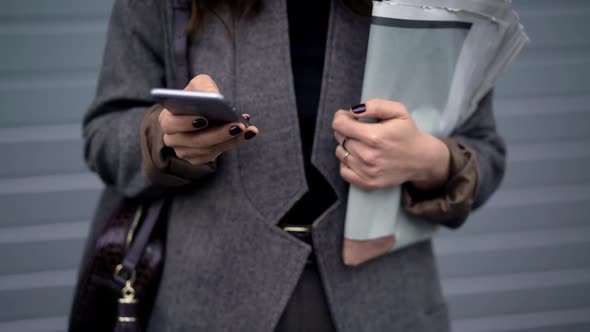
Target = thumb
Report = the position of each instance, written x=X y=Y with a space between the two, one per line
x=381 y=109
x=202 y=83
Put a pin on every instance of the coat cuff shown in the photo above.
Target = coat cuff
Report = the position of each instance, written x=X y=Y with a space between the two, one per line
x=449 y=205
x=160 y=163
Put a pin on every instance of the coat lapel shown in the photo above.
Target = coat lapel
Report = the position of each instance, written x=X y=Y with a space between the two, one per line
x=344 y=66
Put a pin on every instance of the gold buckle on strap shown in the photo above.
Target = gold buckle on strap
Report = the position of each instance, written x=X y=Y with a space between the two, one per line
x=296 y=229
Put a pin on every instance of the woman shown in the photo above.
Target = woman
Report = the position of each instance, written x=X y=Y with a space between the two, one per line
x=234 y=260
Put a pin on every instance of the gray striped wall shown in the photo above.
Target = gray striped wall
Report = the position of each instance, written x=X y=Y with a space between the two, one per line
x=520 y=264
x=523 y=262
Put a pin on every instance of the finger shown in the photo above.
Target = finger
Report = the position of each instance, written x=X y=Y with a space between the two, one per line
x=190 y=153
x=172 y=124
x=346 y=125
x=362 y=153
x=204 y=155
x=237 y=141
x=381 y=109
x=339 y=137
x=202 y=83
x=208 y=137
x=347 y=158
x=351 y=159
x=342 y=140
x=353 y=178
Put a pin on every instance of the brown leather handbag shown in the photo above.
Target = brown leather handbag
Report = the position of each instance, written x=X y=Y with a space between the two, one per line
x=116 y=290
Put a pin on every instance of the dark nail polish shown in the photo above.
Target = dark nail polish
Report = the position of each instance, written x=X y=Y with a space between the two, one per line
x=249 y=135
x=358 y=109
x=199 y=123
x=235 y=130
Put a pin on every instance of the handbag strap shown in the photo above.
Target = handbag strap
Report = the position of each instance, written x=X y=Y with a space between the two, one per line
x=140 y=241
x=181 y=12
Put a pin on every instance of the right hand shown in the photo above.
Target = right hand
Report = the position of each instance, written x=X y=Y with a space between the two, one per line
x=193 y=139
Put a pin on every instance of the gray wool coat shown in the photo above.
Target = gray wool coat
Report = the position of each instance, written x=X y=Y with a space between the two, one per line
x=228 y=266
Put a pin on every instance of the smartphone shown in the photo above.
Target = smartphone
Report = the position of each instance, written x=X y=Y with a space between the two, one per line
x=210 y=105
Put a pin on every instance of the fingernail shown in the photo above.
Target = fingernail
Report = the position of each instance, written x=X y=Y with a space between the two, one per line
x=358 y=109
x=235 y=130
x=199 y=123
x=246 y=117
x=249 y=135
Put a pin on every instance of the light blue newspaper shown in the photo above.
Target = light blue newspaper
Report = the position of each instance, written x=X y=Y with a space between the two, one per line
x=439 y=62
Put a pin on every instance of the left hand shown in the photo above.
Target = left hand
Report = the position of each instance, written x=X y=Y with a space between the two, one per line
x=390 y=152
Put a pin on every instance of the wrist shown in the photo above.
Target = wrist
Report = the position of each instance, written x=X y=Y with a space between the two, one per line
x=433 y=163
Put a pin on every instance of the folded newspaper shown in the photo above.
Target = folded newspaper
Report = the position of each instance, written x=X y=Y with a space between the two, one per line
x=439 y=58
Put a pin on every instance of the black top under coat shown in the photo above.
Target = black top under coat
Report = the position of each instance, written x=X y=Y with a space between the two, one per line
x=308 y=28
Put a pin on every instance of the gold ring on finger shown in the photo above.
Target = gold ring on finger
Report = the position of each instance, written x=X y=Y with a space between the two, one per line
x=345 y=155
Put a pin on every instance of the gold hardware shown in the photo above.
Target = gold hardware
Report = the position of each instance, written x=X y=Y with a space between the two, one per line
x=134 y=224
x=296 y=229
x=118 y=274
x=127 y=301
x=128 y=293
x=127 y=319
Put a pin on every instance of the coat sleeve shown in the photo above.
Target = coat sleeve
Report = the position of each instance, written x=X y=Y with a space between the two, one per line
x=480 y=134
x=133 y=64
x=160 y=163
x=477 y=165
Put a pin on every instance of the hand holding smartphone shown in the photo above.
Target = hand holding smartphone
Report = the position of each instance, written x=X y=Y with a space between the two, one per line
x=200 y=125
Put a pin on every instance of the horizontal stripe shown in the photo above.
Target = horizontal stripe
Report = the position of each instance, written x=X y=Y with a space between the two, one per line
x=548 y=151
x=516 y=107
x=521 y=281
x=547 y=173
x=51 y=183
x=455 y=243
x=71 y=48
x=519 y=301
x=544 y=78
x=419 y=24
x=43 y=158
x=45 y=324
x=548 y=7
x=545 y=128
x=536 y=195
x=53 y=81
x=558 y=320
x=48 y=232
x=34 y=28
x=504 y=219
x=41 y=133
x=35 y=302
x=34 y=208
x=41 y=255
x=45 y=279
x=514 y=260
x=34 y=9
x=68 y=93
